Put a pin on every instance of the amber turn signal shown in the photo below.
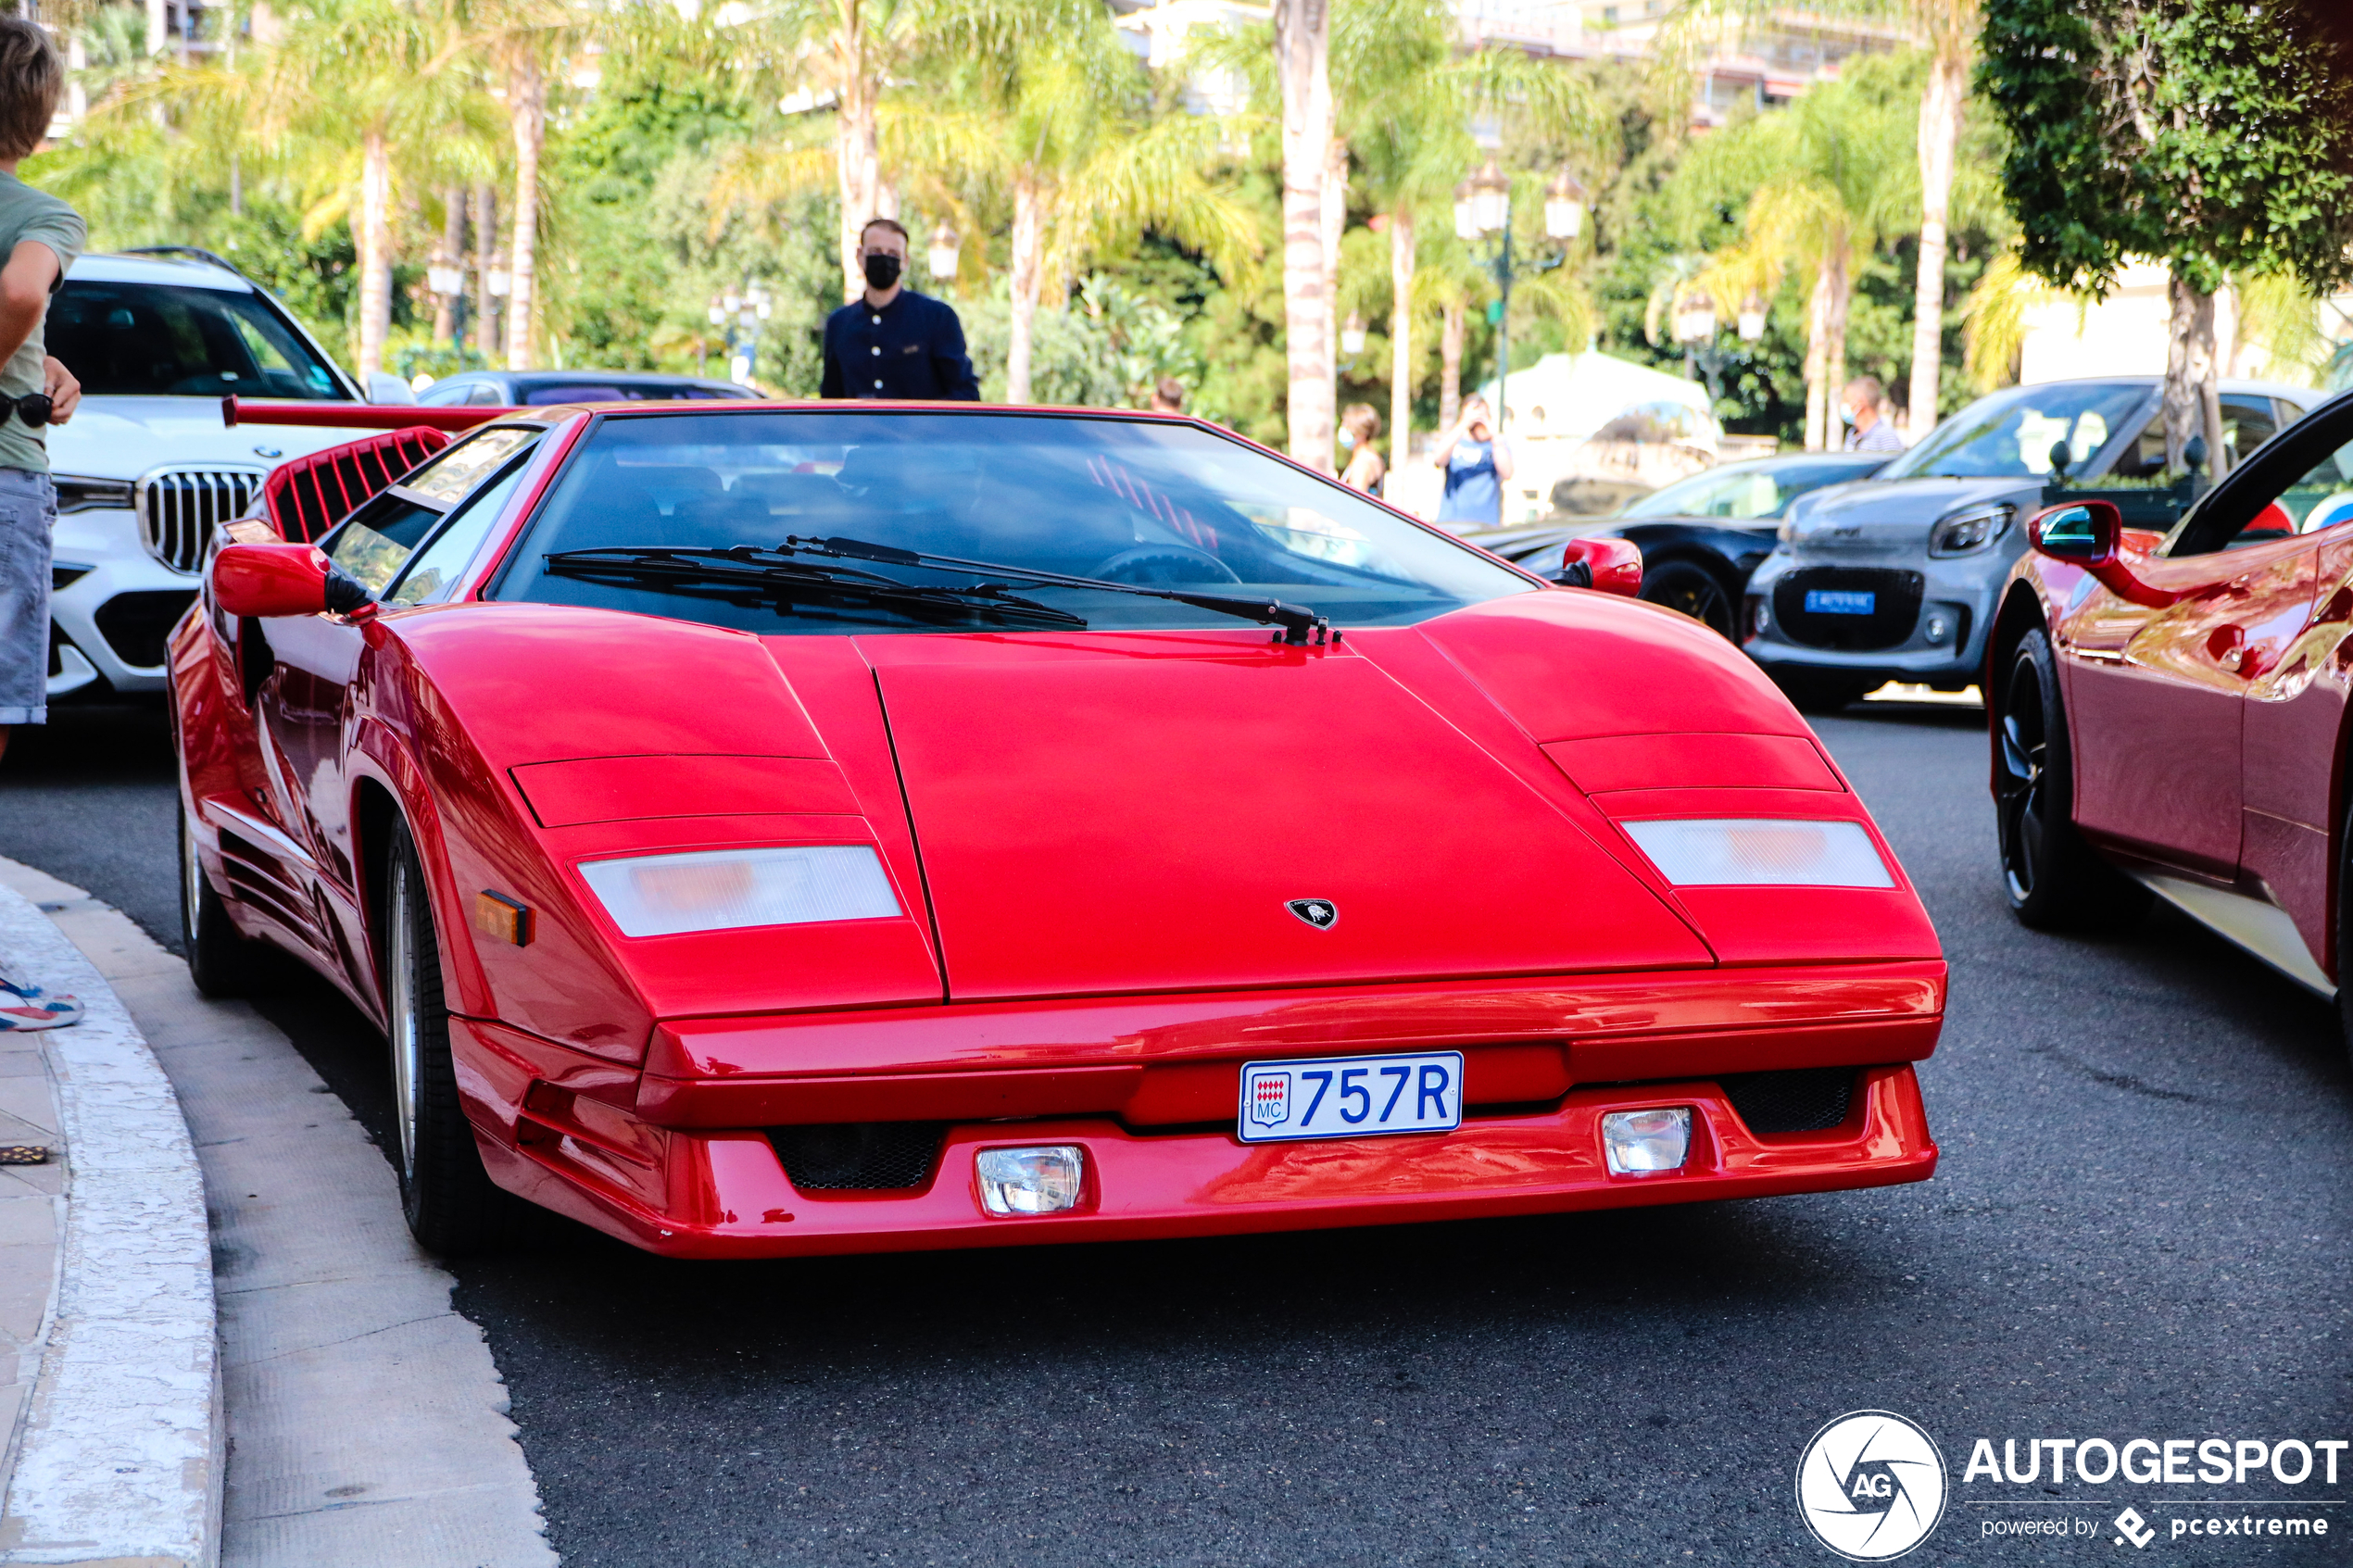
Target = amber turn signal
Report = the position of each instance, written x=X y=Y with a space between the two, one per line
x=498 y=916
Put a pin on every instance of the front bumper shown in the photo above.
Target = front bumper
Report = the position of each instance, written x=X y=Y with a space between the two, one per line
x=1957 y=596
x=681 y=1162
x=110 y=621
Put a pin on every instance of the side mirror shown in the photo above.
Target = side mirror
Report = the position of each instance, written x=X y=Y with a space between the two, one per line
x=386 y=387
x=1609 y=566
x=263 y=580
x=2080 y=532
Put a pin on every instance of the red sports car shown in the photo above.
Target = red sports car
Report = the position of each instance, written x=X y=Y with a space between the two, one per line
x=2169 y=712
x=776 y=829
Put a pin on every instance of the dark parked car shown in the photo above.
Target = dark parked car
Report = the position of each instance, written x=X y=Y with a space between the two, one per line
x=545 y=389
x=1701 y=536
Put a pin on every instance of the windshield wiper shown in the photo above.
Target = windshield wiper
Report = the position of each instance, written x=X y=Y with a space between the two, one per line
x=747 y=575
x=1300 y=626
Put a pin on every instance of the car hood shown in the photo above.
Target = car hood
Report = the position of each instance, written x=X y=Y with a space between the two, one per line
x=1893 y=516
x=1136 y=813
x=124 y=437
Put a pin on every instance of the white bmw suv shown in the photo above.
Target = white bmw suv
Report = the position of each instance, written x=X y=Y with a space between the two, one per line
x=147 y=466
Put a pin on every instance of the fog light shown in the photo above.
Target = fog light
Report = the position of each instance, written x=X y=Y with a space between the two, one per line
x=1759 y=617
x=1940 y=626
x=1031 y=1180
x=1647 y=1140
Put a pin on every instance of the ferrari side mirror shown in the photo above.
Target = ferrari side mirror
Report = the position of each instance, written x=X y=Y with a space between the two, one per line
x=262 y=580
x=1611 y=566
x=2080 y=532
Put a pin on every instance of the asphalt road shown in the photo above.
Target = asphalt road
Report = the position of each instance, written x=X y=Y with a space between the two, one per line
x=2140 y=1228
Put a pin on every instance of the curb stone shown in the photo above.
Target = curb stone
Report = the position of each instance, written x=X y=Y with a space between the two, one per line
x=366 y=1419
x=118 y=1453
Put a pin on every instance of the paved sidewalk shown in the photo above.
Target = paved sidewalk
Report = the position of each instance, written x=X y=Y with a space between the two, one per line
x=365 y=1417
x=113 y=1439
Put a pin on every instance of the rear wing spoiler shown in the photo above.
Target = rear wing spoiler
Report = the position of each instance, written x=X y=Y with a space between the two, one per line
x=305 y=497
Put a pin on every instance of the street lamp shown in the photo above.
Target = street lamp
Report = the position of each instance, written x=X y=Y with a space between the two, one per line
x=448 y=279
x=1695 y=330
x=1351 y=336
x=944 y=254
x=1564 y=206
x=1490 y=199
x=1752 y=320
x=1483 y=209
x=501 y=281
x=1694 y=322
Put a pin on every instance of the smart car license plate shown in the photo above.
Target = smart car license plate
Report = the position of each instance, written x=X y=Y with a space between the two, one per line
x=1834 y=601
x=1351 y=1096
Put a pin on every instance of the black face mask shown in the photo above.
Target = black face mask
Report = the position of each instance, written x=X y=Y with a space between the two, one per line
x=881 y=272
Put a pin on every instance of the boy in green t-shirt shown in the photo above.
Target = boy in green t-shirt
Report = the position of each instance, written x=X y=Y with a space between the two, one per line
x=40 y=236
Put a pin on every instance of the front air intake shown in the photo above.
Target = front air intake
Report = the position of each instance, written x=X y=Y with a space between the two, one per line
x=860 y=1156
x=1805 y=1099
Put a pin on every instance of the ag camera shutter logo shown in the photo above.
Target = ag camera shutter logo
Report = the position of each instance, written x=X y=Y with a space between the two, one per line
x=1870 y=1485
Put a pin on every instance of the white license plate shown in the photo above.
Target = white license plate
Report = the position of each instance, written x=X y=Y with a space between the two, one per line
x=1351 y=1096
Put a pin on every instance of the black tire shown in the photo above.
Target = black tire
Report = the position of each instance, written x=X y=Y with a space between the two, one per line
x=451 y=1204
x=2052 y=878
x=1688 y=588
x=1823 y=692
x=221 y=961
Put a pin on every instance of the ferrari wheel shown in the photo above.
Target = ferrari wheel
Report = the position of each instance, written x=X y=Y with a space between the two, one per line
x=1688 y=588
x=450 y=1202
x=2053 y=879
x=222 y=962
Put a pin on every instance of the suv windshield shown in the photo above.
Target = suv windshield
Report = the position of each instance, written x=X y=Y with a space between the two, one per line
x=2009 y=434
x=155 y=340
x=1166 y=506
x=1742 y=491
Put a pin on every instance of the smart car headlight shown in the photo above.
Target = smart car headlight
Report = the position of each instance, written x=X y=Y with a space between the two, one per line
x=1748 y=851
x=724 y=889
x=1966 y=533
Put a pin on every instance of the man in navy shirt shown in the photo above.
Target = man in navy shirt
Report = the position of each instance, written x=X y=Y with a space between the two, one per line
x=894 y=342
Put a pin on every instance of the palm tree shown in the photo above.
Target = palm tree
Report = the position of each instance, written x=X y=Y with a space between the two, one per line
x=1059 y=124
x=1302 y=67
x=1830 y=177
x=385 y=74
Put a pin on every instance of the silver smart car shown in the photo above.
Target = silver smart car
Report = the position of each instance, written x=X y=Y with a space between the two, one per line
x=1894 y=579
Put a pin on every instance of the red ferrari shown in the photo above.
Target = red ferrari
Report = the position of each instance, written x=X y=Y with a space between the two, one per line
x=767 y=830
x=2169 y=712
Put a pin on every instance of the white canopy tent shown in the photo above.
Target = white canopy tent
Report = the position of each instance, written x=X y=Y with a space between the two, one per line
x=1571 y=395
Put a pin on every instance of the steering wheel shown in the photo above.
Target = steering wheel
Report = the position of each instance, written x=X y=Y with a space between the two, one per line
x=1160 y=566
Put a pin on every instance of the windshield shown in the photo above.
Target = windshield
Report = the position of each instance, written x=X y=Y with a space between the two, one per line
x=1742 y=491
x=2009 y=434
x=1164 y=506
x=152 y=339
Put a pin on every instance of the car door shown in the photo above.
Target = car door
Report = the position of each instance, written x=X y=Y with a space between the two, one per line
x=2163 y=692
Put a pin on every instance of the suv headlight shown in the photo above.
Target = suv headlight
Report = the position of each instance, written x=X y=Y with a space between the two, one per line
x=1966 y=533
x=77 y=493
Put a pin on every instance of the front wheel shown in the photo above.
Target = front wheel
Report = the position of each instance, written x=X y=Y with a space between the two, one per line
x=1688 y=588
x=2052 y=878
x=450 y=1202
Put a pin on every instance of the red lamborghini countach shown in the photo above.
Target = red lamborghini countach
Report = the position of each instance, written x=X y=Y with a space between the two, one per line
x=2169 y=712
x=771 y=829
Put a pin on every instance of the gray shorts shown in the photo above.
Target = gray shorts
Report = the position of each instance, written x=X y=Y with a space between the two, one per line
x=27 y=512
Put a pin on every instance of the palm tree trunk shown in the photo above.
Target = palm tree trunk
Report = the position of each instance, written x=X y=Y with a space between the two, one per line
x=2193 y=405
x=375 y=250
x=527 y=112
x=857 y=149
x=1836 y=308
x=1401 y=336
x=486 y=241
x=1335 y=224
x=1450 y=367
x=453 y=249
x=1028 y=273
x=1817 y=343
x=1302 y=62
x=1940 y=134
